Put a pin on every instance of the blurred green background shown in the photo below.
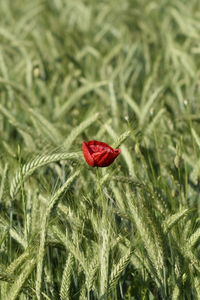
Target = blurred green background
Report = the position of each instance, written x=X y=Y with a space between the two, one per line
x=126 y=73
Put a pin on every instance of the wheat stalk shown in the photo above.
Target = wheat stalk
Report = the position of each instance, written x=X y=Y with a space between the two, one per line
x=40 y=161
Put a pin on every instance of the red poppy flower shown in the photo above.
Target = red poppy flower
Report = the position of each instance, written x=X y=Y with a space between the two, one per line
x=99 y=154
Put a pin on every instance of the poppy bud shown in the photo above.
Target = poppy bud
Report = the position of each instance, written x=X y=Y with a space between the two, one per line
x=99 y=154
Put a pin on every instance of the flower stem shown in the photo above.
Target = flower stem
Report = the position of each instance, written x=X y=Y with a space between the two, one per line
x=104 y=235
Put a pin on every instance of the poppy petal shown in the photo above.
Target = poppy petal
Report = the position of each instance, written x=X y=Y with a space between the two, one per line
x=97 y=146
x=88 y=157
x=100 y=158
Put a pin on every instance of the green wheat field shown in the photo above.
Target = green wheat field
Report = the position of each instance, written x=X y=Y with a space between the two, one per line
x=124 y=72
